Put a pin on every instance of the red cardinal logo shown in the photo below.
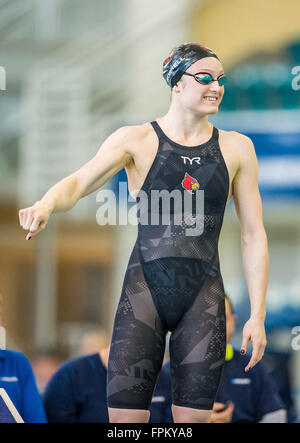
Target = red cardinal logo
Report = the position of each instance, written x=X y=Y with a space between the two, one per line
x=190 y=183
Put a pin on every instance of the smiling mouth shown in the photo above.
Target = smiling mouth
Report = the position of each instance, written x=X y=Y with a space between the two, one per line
x=210 y=99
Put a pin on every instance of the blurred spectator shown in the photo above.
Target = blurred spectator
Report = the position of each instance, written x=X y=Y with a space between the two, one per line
x=44 y=363
x=17 y=378
x=242 y=397
x=253 y=394
x=77 y=392
x=92 y=342
x=279 y=366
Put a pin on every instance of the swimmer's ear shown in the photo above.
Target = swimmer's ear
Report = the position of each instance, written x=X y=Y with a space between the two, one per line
x=176 y=88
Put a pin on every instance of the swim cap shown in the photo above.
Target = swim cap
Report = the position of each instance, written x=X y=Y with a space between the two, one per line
x=181 y=57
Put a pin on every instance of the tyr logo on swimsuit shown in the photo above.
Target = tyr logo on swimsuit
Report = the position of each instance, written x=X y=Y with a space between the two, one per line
x=191 y=160
x=2 y=79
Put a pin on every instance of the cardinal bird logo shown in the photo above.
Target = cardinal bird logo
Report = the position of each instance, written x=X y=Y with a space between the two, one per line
x=169 y=56
x=190 y=183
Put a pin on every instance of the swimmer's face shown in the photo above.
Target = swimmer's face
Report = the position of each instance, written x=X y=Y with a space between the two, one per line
x=192 y=94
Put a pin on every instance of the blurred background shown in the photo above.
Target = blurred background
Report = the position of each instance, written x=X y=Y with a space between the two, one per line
x=71 y=73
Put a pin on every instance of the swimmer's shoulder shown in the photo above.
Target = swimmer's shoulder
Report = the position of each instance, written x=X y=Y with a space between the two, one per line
x=137 y=132
x=238 y=143
x=137 y=137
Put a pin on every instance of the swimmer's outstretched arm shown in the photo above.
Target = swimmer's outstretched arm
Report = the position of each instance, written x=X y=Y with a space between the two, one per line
x=254 y=245
x=112 y=156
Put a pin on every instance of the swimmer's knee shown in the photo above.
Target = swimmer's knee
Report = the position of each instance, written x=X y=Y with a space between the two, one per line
x=186 y=414
x=118 y=415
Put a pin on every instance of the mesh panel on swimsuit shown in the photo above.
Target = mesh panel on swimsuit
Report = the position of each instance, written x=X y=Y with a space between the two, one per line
x=173 y=283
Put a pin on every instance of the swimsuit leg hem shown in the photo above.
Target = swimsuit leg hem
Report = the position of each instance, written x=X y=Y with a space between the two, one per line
x=206 y=407
x=123 y=406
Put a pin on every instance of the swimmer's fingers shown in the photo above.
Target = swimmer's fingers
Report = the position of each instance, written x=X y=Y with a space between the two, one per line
x=36 y=227
x=21 y=217
x=256 y=356
x=224 y=416
x=258 y=350
x=254 y=330
x=253 y=360
x=245 y=342
x=33 y=219
x=25 y=217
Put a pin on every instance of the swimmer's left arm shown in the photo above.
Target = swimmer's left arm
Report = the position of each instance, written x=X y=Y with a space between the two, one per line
x=254 y=245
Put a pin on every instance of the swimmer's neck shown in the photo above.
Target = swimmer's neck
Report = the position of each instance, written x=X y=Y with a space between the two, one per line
x=185 y=125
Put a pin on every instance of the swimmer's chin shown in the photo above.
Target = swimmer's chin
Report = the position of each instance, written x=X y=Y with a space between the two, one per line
x=204 y=110
x=210 y=108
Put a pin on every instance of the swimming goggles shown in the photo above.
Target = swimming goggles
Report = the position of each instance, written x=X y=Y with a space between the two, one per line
x=205 y=78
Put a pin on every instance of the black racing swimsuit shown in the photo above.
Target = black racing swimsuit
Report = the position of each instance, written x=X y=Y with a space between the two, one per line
x=173 y=283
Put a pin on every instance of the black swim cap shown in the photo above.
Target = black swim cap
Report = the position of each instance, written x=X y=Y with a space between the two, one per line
x=181 y=57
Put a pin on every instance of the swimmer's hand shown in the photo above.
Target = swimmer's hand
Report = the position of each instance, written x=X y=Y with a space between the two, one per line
x=254 y=330
x=34 y=219
x=222 y=412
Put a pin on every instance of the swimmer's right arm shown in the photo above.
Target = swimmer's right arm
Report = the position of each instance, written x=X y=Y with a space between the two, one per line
x=112 y=156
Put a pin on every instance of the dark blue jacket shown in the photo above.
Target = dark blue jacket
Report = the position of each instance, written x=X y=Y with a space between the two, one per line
x=77 y=393
x=17 y=378
x=254 y=393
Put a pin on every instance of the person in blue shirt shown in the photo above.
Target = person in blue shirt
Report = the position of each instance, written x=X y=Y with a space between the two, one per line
x=76 y=392
x=17 y=378
x=252 y=395
x=247 y=397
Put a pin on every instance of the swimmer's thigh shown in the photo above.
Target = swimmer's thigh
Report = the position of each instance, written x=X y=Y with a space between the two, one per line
x=137 y=347
x=197 y=349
